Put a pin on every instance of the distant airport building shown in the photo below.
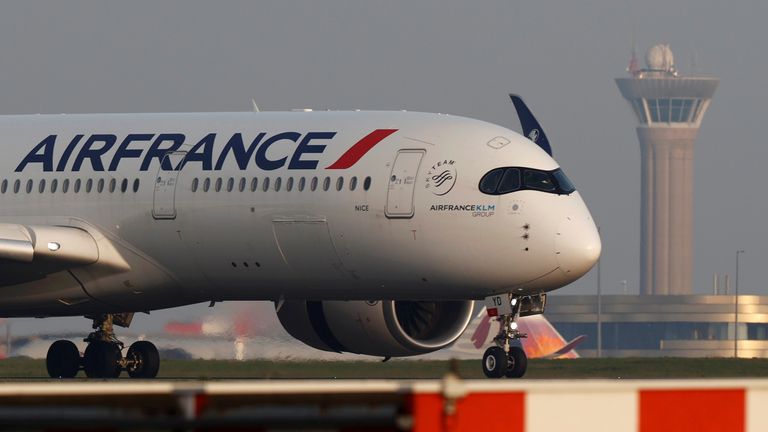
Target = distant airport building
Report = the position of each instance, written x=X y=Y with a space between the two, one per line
x=664 y=326
x=667 y=319
x=669 y=110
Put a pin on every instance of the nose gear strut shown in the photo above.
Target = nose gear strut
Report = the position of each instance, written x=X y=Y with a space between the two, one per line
x=505 y=359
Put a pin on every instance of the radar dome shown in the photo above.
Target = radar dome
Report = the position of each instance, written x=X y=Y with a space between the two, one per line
x=660 y=58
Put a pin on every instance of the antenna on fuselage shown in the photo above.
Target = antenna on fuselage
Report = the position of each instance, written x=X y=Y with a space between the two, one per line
x=531 y=127
x=255 y=107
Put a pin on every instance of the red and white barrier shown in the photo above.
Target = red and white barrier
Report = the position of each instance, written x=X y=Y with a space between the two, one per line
x=446 y=405
x=595 y=406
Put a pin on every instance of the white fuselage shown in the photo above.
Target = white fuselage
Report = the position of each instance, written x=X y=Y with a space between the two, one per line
x=418 y=228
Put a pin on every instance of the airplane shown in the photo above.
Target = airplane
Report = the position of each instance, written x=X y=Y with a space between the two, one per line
x=544 y=342
x=238 y=323
x=373 y=232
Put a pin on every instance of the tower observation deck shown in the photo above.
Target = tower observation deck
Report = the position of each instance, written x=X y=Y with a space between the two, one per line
x=669 y=110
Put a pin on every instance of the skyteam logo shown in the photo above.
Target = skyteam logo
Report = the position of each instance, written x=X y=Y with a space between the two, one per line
x=105 y=152
x=441 y=177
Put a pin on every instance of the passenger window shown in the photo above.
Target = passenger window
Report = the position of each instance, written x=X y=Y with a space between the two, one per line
x=76 y=188
x=124 y=186
x=100 y=186
x=313 y=184
x=29 y=186
x=135 y=185
x=367 y=183
x=16 y=186
x=302 y=184
x=54 y=185
x=88 y=185
x=230 y=184
x=112 y=185
x=339 y=183
x=4 y=186
x=243 y=181
x=510 y=181
x=289 y=184
x=206 y=184
x=218 y=184
x=490 y=182
x=327 y=183
x=538 y=180
x=254 y=184
x=278 y=182
x=41 y=188
x=65 y=186
x=353 y=183
x=195 y=183
x=265 y=184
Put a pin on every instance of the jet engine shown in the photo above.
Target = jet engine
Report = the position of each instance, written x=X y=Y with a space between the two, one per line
x=378 y=328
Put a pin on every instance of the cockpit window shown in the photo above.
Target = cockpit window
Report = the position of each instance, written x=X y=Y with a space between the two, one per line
x=510 y=182
x=490 y=182
x=563 y=181
x=538 y=180
x=501 y=181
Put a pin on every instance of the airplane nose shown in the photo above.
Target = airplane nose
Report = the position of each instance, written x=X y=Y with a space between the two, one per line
x=577 y=246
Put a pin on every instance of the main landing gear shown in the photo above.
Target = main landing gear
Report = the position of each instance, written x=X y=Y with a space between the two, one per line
x=103 y=356
x=504 y=359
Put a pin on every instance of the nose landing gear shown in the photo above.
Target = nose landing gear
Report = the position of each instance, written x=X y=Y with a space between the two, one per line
x=504 y=359
x=103 y=356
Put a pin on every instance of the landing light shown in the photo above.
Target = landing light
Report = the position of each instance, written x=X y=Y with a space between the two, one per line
x=514 y=301
x=53 y=246
x=513 y=326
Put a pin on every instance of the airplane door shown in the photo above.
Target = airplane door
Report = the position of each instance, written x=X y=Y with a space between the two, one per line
x=402 y=182
x=164 y=202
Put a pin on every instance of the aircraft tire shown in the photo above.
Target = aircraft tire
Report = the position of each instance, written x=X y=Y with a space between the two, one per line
x=517 y=364
x=63 y=359
x=147 y=360
x=102 y=360
x=494 y=362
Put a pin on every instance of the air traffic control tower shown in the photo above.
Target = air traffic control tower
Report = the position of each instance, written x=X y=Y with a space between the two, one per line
x=669 y=109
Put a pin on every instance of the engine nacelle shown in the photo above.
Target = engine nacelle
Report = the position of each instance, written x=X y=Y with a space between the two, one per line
x=378 y=328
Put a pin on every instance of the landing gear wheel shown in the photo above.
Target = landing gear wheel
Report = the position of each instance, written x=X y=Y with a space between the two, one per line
x=143 y=360
x=494 y=362
x=517 y=362
x=63 y=359
x=102 y=360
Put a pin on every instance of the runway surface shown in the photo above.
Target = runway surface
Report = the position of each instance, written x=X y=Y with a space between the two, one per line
x=19 y=369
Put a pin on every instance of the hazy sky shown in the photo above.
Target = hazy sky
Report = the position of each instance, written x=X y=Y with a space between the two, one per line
x=449 y=56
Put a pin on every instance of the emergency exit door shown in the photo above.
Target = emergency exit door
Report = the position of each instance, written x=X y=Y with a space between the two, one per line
x=164 y=203
x=402 y=183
